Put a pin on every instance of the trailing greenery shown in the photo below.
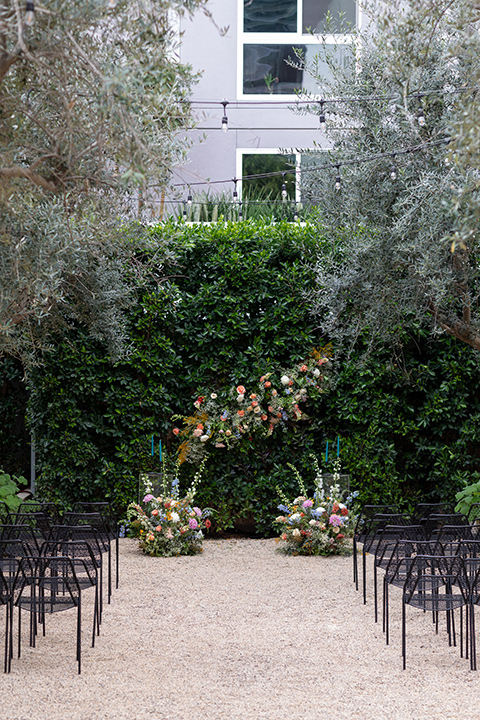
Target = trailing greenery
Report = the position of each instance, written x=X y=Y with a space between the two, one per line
x=9 y=487
x=225 y=306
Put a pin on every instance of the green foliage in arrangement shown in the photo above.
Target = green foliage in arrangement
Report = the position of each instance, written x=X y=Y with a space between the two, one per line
x=225 y=306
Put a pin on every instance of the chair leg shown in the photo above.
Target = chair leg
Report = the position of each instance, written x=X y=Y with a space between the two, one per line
x=117 y=573
x=79 y=634
x=364 y=575
x=404 y=638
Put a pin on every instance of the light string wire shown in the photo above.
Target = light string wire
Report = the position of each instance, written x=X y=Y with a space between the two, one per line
x=324 y=166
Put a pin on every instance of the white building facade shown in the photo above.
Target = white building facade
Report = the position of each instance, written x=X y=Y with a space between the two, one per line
x=250 y=83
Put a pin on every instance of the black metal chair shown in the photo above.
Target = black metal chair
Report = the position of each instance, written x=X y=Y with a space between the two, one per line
x=385 y=544
x=45 y=585
x=437 y=584
x=362 y=528
x=105 y=510
x=96 y=521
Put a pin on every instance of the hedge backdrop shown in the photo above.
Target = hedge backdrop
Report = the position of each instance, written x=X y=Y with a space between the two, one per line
x=227 y=305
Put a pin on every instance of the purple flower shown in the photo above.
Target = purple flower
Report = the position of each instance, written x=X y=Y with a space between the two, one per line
x=198 y=511
x=193 y=524
x=147 y=498
x=307 y=503
x=336 y=520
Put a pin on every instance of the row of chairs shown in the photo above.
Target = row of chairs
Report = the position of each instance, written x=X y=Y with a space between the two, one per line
x=47 y=560
x=432 y=555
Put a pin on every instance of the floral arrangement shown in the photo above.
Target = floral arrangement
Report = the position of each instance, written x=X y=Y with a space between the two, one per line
x=222 y=419
x=320 y=525
x=169 y=525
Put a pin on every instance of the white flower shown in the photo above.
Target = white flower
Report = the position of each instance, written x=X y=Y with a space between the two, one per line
x=295 y=517
x=296 y=533
x=257 y=409
x=175 y=517
x=313 y=522
x=240 y=398
x=316 y=372
x=213 y=396
x=299 y=499
x=173 y=503
x=204 y=438
x=285 y=380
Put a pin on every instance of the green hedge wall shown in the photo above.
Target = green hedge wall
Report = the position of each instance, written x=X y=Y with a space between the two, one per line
x=227 y=304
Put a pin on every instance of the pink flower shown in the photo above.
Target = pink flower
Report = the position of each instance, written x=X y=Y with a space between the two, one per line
x=303 y=368
x=307 y=503
x=335 y=520
x=197 y=511
x=241 y=390
x=175 y=431
x=197 y=432
x=147 y=498
x=193 y=524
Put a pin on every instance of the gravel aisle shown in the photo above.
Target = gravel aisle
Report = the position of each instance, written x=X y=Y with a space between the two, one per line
x=239 y=633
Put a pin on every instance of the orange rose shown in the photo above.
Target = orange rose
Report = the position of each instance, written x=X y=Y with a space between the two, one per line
x=158 y=528
x=241 y=390
x=268 y=384
x=155 y=513
x=264 y=417
x=208 y=523
x=252 y=396
x=254 y=403
x=175 y=431
x=240 y=413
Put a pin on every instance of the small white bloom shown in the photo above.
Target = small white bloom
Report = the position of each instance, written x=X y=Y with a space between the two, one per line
x=296 y=533
x=313 y=522
x=295 y=517
x=175 y=517
x=204 y=438
x=240 y=398
x=284 y=379
x=299 y=499
x=213 y=396
x=316 y=372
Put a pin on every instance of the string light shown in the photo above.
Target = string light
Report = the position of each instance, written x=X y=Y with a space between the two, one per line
x=295 y=213
x=235 y=194
x=393 y=170
x=225 y=118
x=338 y=179
x=184 y=210
x=30 y=12
x=189 y=198
x=240 y=211
x=284 y=189
x=321 y=116
x=421 y=117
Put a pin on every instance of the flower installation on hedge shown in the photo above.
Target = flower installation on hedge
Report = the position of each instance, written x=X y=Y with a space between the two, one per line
x=320 y=525
x=222 y=419
x=168 y=525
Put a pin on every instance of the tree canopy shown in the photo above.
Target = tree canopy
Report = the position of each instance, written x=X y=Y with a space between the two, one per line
x=405 y=143
x=93 y=103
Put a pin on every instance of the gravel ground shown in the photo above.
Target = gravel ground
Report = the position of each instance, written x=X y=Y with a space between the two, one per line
x=239 y=633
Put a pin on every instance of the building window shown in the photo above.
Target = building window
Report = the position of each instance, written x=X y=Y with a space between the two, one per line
x=268 y=189
x=276 y=39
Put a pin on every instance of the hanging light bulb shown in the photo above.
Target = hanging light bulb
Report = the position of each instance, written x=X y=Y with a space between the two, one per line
x=235 y=194
x=321 y=117
x=29 y=12
x=393 y=170
x=224 y=118
x=421 y=117
x=189 y=198
x=295 y=213
x=184 y=210
x=338 y=179
x=240 y=211
x=284 y=189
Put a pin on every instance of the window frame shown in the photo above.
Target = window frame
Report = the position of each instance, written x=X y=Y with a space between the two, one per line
x=265 y=151
x=281 y=38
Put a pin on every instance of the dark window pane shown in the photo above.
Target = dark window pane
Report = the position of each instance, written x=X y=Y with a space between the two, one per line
x=269 y=188
x=266 y=70
x=270 y=16
x=314 y=12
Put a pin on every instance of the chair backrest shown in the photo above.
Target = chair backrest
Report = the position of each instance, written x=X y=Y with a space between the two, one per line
x=422 y=510
x=366 y=513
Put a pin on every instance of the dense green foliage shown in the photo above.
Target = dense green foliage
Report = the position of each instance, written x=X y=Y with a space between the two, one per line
x=226 y=306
